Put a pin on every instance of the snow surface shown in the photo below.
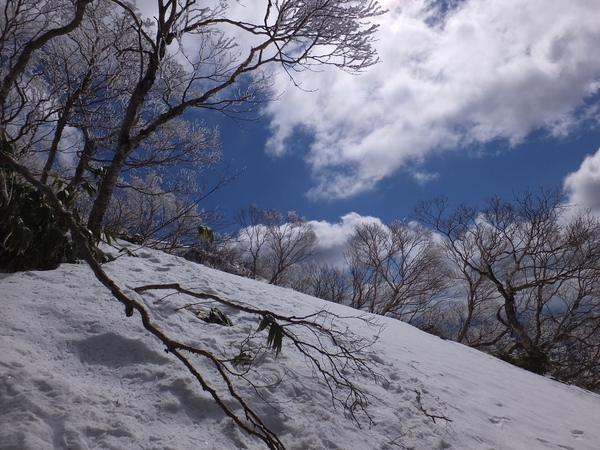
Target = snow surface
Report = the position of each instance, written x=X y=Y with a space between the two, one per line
x=75 y=373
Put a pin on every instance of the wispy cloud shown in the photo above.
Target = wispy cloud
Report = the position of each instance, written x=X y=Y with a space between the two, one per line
x=480 y=71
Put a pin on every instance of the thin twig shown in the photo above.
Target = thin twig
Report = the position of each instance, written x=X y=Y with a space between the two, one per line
x=431 y=416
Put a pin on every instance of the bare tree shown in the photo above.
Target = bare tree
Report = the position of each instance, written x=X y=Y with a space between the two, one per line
x=364 y=284
x=26 y=27
x=222 y=76
x=274 y=243
x=101 y=83
x=221 y=253
x=252 y=238
x=401 y=267
x=166 y=217
x=144 y=211
x=66 y=112
x=543 y=262
x=473 y=301
x=290 y=241
x=323 y=281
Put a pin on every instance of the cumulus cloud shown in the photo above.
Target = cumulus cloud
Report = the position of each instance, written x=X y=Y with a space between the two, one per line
x=477 y=72
x=583 y=185
x=334 y=236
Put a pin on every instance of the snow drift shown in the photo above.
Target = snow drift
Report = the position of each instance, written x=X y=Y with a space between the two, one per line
x=76 y=374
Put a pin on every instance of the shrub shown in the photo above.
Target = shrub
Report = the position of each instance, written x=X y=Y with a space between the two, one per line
x=34 y=237
x=32 y=234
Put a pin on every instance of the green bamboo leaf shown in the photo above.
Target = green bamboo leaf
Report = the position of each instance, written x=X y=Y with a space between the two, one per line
x=275 y=338
x=215 y=316
x=264 y=323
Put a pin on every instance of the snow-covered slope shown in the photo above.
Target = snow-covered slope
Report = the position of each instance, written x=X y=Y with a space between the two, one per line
x=75 y=373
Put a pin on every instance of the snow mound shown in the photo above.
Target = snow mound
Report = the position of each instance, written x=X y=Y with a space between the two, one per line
x=76 y=374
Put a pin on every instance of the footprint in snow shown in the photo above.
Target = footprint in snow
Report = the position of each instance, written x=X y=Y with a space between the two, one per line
x=577 y=434
x=499 y=421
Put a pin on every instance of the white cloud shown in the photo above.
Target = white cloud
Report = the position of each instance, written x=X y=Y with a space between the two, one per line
x=334 y=236
x=424 y=177
x=583 y=185
x=488 y=70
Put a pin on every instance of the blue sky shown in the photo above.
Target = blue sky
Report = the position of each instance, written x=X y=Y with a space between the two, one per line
x=483 y=98
x=464 y=176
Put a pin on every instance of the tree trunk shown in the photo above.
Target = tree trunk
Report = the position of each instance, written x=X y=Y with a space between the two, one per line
x=105 y=192
x=462 y=334
x=84 y=159
x=535 y=359
x=60 y=126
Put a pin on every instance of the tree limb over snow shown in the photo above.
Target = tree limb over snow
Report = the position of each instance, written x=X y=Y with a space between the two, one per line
x=337 y=354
